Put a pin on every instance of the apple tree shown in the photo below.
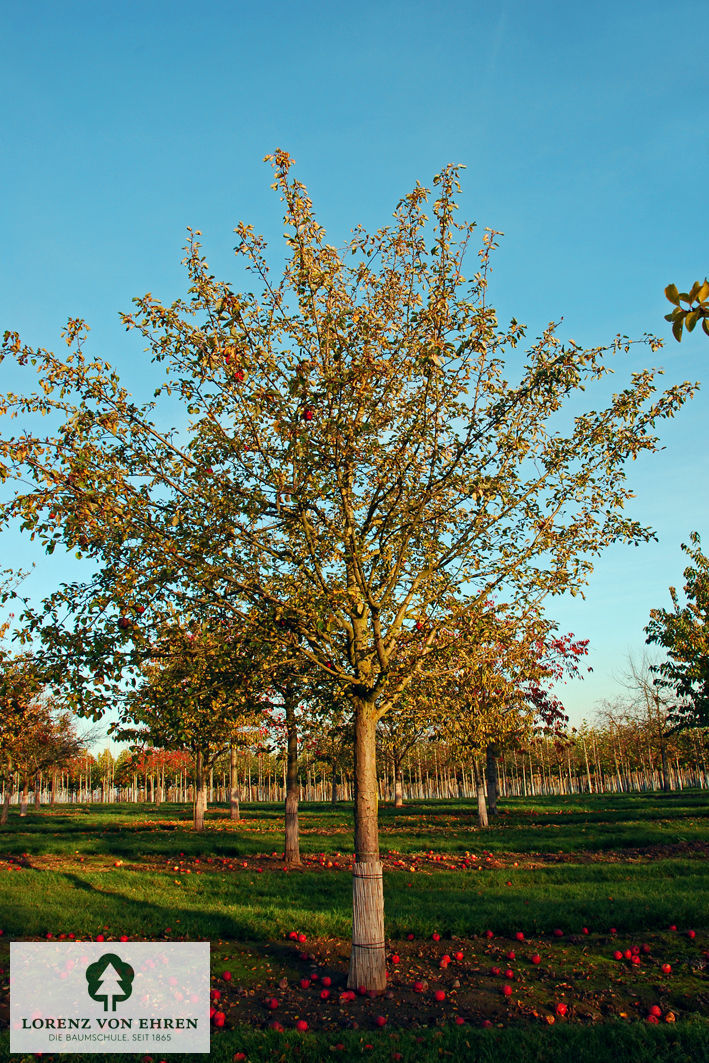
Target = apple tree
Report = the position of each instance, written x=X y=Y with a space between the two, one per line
x=683 y=633
x=361 y=448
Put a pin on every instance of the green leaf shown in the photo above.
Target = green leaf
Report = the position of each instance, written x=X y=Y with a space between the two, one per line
x=705 y=326
x=703 y=292
x=672 y=294
x=691 y=319
x=677 y=329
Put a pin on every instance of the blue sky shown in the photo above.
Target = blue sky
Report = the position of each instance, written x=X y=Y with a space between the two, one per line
x=582 y=128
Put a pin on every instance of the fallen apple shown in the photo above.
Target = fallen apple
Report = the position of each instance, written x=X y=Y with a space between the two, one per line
x=561 y=1008
x=439 y=995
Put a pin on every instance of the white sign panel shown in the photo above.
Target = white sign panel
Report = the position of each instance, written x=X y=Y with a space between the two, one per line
x=109 y=997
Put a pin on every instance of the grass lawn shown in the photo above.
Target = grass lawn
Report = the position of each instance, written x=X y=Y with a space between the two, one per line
x=579 y=877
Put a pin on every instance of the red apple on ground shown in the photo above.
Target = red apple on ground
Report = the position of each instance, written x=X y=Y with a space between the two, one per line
x=558 y=933
x=326 y=980
x=489 y=934
x=381 y=1020
x=439 y=995
x=304 y=983
x=301 y=1025
x=617 y=955
x=272 y=1003
x=324 y=994
x=652 y=1018
x=561 y=1008
x=395 y=958
x=691 y=933
x=507 y=990
x=655 y=1009
x=436 y=936
x=511 y=955
x=519 y=935
x=509 y=973
x=219 y=1018
x=536 y=958
x=486 y=1023
x=666 y=969
x=458 y=956
x=227 y=976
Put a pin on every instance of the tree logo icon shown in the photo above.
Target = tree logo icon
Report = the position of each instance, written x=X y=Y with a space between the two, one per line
x=110 y=980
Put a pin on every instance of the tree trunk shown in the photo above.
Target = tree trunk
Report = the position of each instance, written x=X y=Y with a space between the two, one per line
x=292 y=856
x=333 y=784
x=368 y=957
x=665 y=769
x=23 y=797
x=480 y=792
x=6 y=802
x=199 y=796
x=398 y=785
x=493 y=788
x=234 y=812
x=38 y=791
